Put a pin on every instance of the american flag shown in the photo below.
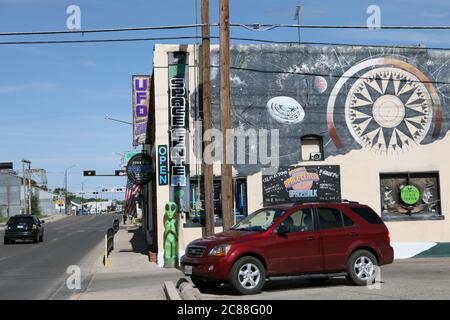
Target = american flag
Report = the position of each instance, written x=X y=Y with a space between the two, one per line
x=130 y=198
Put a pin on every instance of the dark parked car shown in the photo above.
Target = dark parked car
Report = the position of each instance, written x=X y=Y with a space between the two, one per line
x=116 y=225
x=321 y=239
x=24 y=227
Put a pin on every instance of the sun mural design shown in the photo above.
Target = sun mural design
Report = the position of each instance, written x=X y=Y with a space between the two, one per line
x=388 y=110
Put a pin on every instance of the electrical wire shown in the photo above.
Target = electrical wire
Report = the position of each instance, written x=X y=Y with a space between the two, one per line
x=409 y=47
x=248 y=26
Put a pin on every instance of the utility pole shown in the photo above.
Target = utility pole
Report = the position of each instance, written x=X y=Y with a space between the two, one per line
x=30 y=190
x=297 y=17
x=65 y=187
x=225 y=116
x=207 y=118
x=26 y=187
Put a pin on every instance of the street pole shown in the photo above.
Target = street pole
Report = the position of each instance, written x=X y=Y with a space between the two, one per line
x=65 y=188
x=225 y=116
x=30 y=191
x=207 y=118
x=24 y=188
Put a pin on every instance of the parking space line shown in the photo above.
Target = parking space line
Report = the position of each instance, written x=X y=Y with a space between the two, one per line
x=4 y=258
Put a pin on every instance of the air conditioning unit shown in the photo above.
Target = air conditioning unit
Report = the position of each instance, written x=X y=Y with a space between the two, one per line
x=315 y=156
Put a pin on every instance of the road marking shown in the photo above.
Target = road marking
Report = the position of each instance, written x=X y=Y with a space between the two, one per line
x=4 y=258
x=34 y=247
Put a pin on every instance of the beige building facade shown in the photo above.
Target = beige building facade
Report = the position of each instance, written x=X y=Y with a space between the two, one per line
x=372 y=129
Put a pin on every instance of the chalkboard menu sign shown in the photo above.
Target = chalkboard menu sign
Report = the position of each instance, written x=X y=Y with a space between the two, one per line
x=302 y=183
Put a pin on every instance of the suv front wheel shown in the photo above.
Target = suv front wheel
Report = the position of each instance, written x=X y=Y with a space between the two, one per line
x=248 y=275
x=362 y=268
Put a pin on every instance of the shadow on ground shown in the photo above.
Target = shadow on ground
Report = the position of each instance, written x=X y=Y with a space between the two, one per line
x=137 y=241
x=283 y=284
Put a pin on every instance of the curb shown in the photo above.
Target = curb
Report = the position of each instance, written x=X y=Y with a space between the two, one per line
x=170 y=291
x=184 y=290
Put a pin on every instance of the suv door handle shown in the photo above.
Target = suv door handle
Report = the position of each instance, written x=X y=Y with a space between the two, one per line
x=354 y=234
x=311 y=238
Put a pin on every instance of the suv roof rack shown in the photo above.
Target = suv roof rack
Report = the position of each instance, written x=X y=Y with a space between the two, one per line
x=349 y=201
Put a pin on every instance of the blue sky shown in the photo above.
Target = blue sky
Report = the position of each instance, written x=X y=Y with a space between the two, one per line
x=53 y=98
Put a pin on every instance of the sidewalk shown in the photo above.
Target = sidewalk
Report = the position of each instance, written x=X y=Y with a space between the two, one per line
x=129 y=274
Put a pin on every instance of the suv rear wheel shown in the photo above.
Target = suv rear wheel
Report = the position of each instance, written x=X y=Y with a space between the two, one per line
x=362 y=267
x=248 y=275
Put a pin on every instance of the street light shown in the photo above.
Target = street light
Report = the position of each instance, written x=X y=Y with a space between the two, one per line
x=65 y=187
x=297 y=17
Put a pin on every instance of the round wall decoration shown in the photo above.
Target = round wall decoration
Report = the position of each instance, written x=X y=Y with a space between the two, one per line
x=388 y=109
x=285 y=110
x=389 y=106
x=140 y=168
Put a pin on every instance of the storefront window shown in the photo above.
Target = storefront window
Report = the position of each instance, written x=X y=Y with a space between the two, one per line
x=196 y=216
x=410 y=196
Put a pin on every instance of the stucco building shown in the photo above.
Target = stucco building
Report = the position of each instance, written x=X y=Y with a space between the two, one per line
x=322 y=123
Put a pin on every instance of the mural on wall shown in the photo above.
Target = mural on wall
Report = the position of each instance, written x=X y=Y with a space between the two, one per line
x=386 y=100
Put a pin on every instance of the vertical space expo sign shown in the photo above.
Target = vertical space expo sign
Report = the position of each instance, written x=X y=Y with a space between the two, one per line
x=141 y=105
x=179 y=127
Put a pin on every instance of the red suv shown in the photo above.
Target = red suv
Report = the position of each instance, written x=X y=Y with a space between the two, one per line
x=296 y=239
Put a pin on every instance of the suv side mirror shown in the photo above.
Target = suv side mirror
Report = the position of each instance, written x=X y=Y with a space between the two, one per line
x=283 y=229
x=42 y=221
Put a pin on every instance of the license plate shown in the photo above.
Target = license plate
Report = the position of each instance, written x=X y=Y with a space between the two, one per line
x=188 y=270
x=19 y=227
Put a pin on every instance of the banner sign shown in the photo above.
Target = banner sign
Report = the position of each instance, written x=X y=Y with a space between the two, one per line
x=141 y=107
x=163 y=169
x=302 y=183
x=140 y=169
x=179 y=126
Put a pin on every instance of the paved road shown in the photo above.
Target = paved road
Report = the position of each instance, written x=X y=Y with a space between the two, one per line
x=38 y=270
x=405 y=279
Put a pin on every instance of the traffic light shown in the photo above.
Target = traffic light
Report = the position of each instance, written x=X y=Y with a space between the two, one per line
x=120 y=172
x=89 y=173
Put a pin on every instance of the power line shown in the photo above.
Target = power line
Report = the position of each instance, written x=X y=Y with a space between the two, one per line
x=252 y=26
x=321 y=74
x=257 y=26
x=93 y=40
x=411 y=47
x=171 y=27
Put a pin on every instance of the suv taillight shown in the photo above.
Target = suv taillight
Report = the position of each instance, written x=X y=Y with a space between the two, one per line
x=34 y=227
x=388 y=238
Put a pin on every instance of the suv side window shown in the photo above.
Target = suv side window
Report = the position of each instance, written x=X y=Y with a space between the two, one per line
x=347 y=221
x=329 y=218
x=300 y=221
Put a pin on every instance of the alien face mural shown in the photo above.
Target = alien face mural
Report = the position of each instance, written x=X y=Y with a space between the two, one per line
x=386 y=100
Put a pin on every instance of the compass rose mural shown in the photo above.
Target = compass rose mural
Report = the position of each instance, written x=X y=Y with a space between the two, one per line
x=389 y=108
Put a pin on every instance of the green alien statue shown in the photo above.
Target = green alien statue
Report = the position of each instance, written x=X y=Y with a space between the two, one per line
x=170 y=236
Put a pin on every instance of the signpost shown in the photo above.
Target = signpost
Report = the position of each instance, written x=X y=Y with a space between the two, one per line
x=140 y=169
